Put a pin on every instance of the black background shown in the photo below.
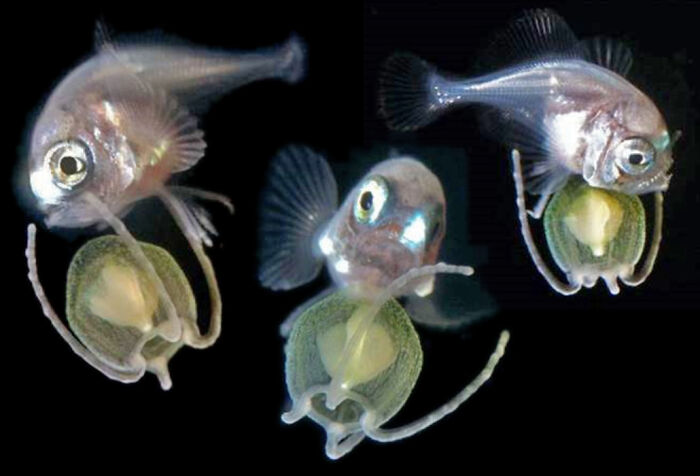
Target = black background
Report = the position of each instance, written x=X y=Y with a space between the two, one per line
x=586 y=379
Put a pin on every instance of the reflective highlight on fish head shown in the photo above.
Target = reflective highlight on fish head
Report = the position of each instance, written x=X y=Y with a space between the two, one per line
x=392 y=221
x=637 y=155
x=77 y=147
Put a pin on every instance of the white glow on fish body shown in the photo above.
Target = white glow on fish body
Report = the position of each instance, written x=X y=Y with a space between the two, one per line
x=415 y=232
x=393 y=220
x=112 y=133
x=548 y=72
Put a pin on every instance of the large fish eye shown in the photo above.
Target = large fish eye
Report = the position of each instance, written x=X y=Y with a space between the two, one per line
x=634 y=156
x=371 y=199
x=69 y=163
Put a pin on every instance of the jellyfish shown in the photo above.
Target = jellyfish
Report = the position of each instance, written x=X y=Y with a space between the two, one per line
x=591 y=233
x=114 y=308
x=352 y=363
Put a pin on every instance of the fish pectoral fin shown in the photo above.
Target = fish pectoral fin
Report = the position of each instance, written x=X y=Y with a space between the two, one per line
x=608 y=53
x=163 y=133
x=300 y=197
x=542 y=173
x=540 y=148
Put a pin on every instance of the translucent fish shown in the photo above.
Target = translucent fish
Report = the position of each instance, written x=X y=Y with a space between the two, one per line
x=114 y=309
x=391 y=221
x=352 y=364
x=592 y=233
x=120 y=124
x=564 y=104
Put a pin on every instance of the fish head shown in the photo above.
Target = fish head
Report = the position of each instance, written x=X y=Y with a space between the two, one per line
x=637 y=154
x=75 y=150
x=391 y=222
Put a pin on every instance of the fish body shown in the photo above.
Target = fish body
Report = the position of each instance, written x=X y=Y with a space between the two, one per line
x=114 y=131
x=392 y=221
x=565 y=104
x=120 y=124
x=407 y=232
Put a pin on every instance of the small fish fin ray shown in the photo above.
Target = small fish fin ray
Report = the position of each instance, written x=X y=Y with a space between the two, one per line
x=608 y=53
x=524 y=130
x=162 y=133
x=103 y=35
x=538 y=34
x=406 y=100
x=195 y=216
x=161 y=130
x=300 y=197
x=107 y=38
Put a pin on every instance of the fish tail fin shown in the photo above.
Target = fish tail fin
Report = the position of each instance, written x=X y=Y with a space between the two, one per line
x=292 y=55
x=408 y=94
x=299 y=198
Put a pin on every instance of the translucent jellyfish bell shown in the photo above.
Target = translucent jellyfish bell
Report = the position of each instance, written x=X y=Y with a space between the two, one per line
x=591 y=233
x=116 y=312
x=352 y=364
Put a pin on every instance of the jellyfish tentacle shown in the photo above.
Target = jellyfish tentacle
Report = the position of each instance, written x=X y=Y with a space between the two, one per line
x=302 y=405
x=174 y=332
x=396 y=287
x=388 y=435
x=337 y=447
x=48 y=310
x=368 y=312
x=541 y=204
x=643 y=273
x=177 y=209
x=540 y=264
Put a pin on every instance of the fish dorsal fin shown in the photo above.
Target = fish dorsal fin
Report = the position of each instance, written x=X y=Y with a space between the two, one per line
x=103 y=35
x=162 y=133
x=300 y=197
x=538 y=34
x=608 y=53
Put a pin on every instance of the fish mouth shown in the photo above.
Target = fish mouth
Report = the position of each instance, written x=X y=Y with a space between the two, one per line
x=76 y=214
x=658 y=182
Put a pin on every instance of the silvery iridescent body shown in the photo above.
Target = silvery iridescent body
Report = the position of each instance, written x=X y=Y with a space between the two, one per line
x=594 y=119
x=124 y=116
x=392 y=221
x=565 y=109
x=350 y=367
x=114 y=131
x=403 y=233
x=564 y=103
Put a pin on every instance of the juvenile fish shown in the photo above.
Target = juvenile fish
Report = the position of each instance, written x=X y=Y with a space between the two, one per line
x=114 y=131
x=392 y=221
x=564 y=104
x=120 y=124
